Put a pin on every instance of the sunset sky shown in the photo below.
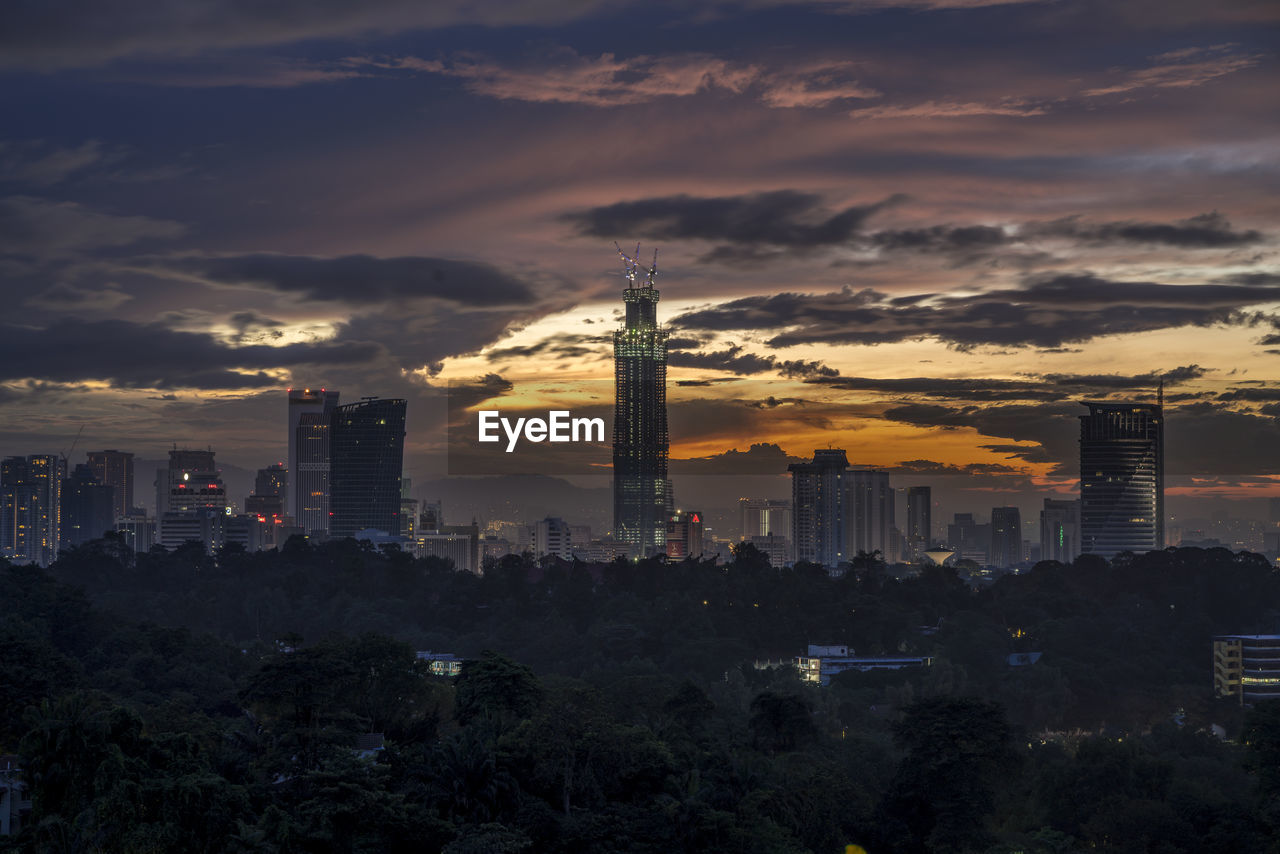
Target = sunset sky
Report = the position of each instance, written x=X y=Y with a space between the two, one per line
x=920 y=230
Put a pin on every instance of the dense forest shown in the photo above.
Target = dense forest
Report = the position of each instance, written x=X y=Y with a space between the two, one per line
x=179 y=701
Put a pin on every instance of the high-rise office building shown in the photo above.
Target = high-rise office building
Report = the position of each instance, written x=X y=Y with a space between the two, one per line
x=1122 y=478
x=641 y=489
x=190 y=482
x=1060 y=530
x=31 y=508
x=88 y=507
x=871 y=514
x=1006 y=536
x=818 y=508
x=919 y=521
x=115 y=469
x=307 y=494
x=366 y=462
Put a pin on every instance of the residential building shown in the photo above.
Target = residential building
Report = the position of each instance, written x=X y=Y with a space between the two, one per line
x=115 y=469
x=919 y=521
x=1006 y=537
x=819 y=515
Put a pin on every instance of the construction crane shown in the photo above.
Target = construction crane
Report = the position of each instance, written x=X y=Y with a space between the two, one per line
x=67 y=453
x=632 y=265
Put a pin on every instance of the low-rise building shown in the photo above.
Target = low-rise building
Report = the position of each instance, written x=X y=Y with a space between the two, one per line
x=441 y=663
x=825 y=661
x=15 y=805
x=1247 y=667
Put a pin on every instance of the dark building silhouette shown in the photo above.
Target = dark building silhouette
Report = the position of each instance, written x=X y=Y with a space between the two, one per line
x=366 y=461
x=919 y=520
x=870 y=503
x=1060 y=530
x=1006 y=536
x=269 y=487
x=88 y=507
x=641 y=490
x=307 y=494
x=115 y=469
x=970 y=538
x=1121 y=478
x=819 y=513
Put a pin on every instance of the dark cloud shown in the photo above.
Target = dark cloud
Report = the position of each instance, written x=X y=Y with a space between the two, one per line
x=757 y=228
x=133 y=355
x=37 y=228
x=558 y=347
x=363 y=278
x=772 y=402
x=732 y=359
x=1045 y=312
x=1200 y=438
x=760 y=458
x=1252 y=395
x=464 y=394
x=86 y=33
x=735 y=360
x=1206 y=231
x=708 y=382
x=941 y=238
x=782 y=218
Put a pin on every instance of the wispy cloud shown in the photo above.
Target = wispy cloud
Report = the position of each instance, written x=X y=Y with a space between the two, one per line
x=1180 y=69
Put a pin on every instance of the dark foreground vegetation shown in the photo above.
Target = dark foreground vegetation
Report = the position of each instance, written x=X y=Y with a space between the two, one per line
x=183 y=703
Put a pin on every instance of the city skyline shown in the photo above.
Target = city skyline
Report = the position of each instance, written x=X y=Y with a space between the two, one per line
x=920 y=232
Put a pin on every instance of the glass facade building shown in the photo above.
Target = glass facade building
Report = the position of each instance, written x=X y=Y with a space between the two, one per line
x=366 y=462
x=1121 y=478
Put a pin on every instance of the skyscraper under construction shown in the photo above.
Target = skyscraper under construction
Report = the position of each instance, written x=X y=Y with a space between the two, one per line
x=641 y=490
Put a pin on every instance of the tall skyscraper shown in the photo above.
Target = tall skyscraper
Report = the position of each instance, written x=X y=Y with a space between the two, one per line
x=1122 y=478
x=115 y=469
x=641 y=490
x=307 y=495
x=88 y=507
x=919 y=520
x=818 y=508
x=31 y=508
x=1060 y=530
x=1006 y=536
x=366 y=462
x=871 y=513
